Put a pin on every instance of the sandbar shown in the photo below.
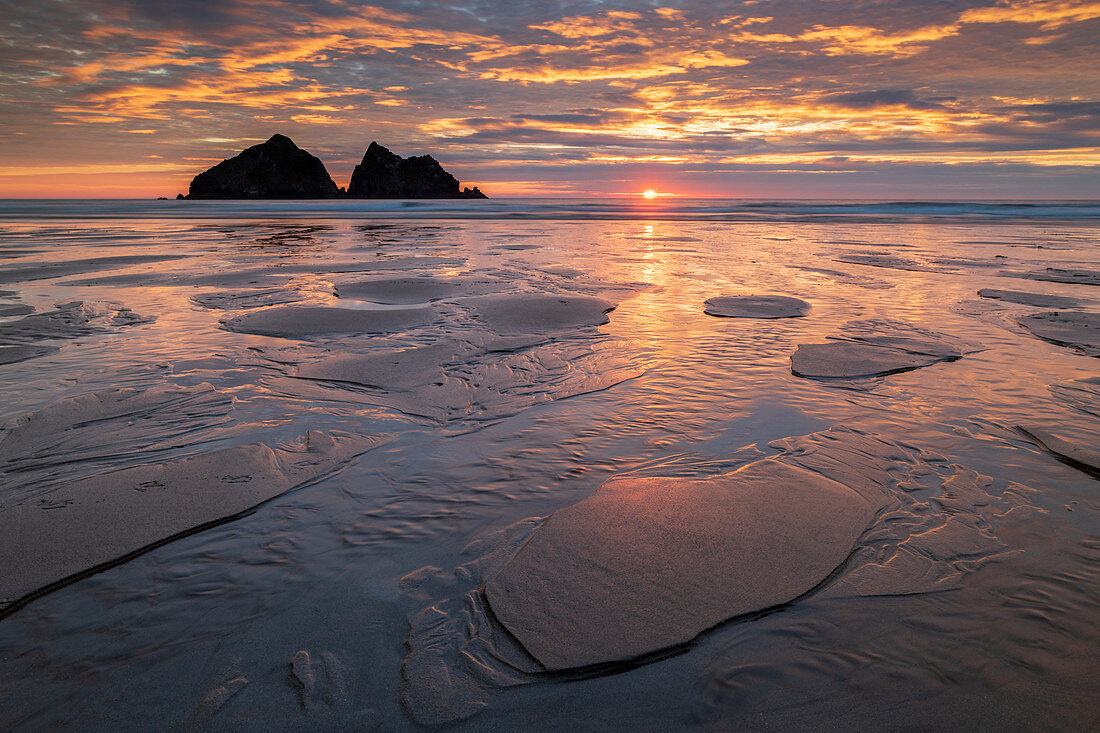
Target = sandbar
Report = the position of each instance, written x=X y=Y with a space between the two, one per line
x=644 y=564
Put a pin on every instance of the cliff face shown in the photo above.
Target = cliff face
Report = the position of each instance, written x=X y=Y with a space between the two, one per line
x=276 y=169
x=385 y=175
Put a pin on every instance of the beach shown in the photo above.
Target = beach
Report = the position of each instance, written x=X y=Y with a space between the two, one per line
x=358 y=416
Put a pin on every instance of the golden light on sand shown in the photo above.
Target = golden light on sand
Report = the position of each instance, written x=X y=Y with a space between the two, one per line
x=649 y=193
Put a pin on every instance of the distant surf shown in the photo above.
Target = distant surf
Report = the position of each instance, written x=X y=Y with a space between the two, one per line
x=609 y=208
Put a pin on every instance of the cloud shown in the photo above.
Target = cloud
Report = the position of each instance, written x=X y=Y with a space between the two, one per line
x=585 y=26
x=1049 y=14
x=879 y=98
x=794 y=82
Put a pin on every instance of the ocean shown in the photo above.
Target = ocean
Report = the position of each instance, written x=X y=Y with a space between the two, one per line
x=572 y=209
x=458 y=356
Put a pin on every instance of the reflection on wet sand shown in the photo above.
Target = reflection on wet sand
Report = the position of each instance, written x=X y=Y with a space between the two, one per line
x=509 y=474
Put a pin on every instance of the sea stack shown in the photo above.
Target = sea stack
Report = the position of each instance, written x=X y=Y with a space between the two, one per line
x=386 y=175
x=276 y=169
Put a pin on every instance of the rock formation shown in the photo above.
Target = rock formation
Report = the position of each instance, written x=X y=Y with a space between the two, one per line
x=276 y=169
x=385 y=175
x=279 y=169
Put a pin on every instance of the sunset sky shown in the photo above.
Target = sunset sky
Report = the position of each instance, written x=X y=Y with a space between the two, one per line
x=756 y=99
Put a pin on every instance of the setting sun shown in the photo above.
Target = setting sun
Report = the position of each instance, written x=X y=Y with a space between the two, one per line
x=649 y=193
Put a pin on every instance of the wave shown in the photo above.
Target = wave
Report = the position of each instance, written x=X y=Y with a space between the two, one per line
x=611 y=208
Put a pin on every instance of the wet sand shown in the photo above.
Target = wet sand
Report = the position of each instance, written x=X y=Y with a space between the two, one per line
x=503 y=475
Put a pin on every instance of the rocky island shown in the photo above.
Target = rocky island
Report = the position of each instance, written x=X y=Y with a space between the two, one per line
x=386 y=175
x=279 y=169
x=276 y=169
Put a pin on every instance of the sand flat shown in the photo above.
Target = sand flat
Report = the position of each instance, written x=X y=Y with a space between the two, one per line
x=16 y=309
x=70 y=320
x=242 y=299
x=24 y=272
x=92 y=523
x=537 y=312
x=849 y=360
x=1076 y=329
x=648 y=563
x=451 y=379
x=875 y=348
x=888 y=262
x=1072 y=276
x=400 y=291
x=1082 y=455
x=18 y=353
x=756 y=306
x=1037 y=300
x=304 y=321
x=399 y=370
x=95 y=424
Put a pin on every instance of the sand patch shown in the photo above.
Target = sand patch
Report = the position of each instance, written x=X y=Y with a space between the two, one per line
x=672 y=557
x=301 y=321
x=875 y=349
x=17 y=309
x=537 y=313
x=463 y=380
x=104 y=426
x=400 y=291
x=1082 y=394
x=254 y=277
x=963 y=262
x=390 y=370
x=267 y=277
x=756 y=306
x=95 y=522
x=845 y=278
x=1034 y=299
x=70 y=320
x=45 y=270
x=1063 y=275
x=1076 y=329
x=14 y=354
x=846 y=360
x=531 y=349
x=889 y=262
x=1076 y=453
x=241 y=299
x=914 y=524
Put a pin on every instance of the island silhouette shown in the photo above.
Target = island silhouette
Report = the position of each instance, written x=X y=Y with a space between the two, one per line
x=279 y=169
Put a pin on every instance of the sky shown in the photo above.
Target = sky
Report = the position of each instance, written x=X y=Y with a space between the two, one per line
x=957 y=99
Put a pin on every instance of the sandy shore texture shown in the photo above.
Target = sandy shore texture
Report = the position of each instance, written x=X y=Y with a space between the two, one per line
x=1037 y=300
x=533 y=313
x=1076 y=329
x=98 y=521
x=278 y=465
x=645 y=564
x=874 y=350
x=1086 y=456
x=756 y=306
x=295 y=322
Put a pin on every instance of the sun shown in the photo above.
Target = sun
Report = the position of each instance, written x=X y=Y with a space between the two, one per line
x=649 y=193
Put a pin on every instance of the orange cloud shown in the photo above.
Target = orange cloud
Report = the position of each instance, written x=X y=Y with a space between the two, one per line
x=587 y=26
x=650 y=87
x=1050 y=13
